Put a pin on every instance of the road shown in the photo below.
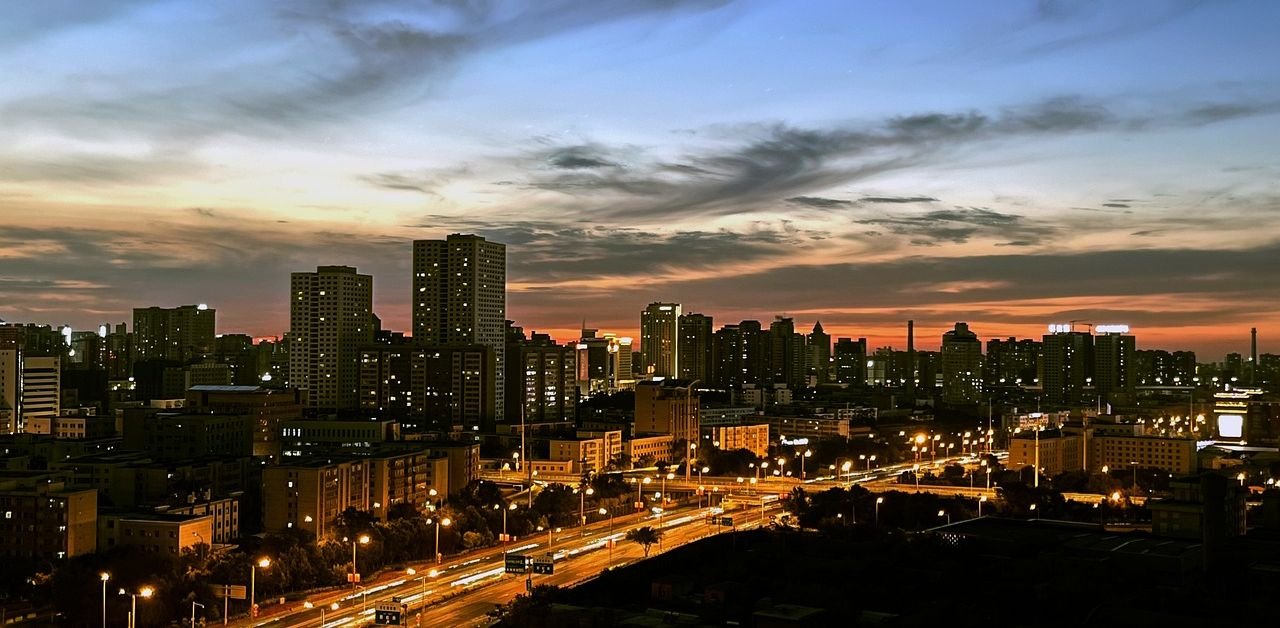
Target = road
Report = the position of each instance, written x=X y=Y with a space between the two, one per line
x=466 y=589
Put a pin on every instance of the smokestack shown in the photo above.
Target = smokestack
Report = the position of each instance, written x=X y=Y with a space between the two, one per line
x=1253 y=356
x=911 y=359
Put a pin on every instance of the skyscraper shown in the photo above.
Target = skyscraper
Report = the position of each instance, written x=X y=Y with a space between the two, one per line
x=460 y=298
x=180 y=334
x=1114 y=363
x=961 y=366
x=787 y=353
x=1012 y=362
x=695 y=348
x=330 y=319
x=818 y=354
x=660 y=340
x=850 y=361
x=1068 y=358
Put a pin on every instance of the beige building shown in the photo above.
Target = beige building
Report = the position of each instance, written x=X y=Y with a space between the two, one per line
x=590 y=451
x=330 y=318
x=667 y=407
x=224 y=514
x=754 y=438
x=309 y=494
x=645 y=450
x=157 y=533
x=1060 y=452
x=42 y=516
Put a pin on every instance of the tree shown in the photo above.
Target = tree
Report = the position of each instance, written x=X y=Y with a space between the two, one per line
x=646 y=537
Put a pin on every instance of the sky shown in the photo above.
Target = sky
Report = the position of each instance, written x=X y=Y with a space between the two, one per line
x=1006 y=163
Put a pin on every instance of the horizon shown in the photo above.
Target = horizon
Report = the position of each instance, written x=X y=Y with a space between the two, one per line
x=1011 y=165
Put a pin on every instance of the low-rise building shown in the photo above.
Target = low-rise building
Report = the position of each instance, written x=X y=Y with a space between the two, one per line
x=319 y=437
x=753 y=438
x=645 y=450
x=157 y=533
x=224 y=513
x=185 y=435
x=811 y=427
x=267 y=407
x=589 y=451
x=43 y=516
x=1175 y=455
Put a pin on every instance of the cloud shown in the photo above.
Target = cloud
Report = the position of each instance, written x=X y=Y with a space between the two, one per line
x=1115 y=205
x=961 y=224
x=897 y=199
x=819 y=202
x=578 y=158
x=425 y=182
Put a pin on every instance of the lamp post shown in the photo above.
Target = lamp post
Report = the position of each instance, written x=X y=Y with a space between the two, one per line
x=915 y=471
x=411 y=571
x=146 y=593
x=363 y=539
x=582 y=504
x=980 y=500
x=104 y=577
x=445 y=521
x=693 y=451
x=987 y=472
x=879 y=500
x=1135 y=475
x=943 y=513
x=609 y=542
x=263 y=562
x=194 y=604
x=846 y=468
x=1037 y=512
x=808 y=453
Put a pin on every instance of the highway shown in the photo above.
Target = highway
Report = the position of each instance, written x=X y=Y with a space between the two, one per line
x=466 y=588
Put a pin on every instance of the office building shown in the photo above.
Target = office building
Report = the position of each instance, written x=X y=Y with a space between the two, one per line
x=460 y=298
x=849 y=358
x=696 y=357
x=155 y=532
x=961 y=366
x=330 y=318
x=660 y=340
x=326 y=437
x=817 y=347
x=178 y=334
x=41 y=388
x=1114 y=364
x=644 y=451
x=603 y=363
x=1068 y=361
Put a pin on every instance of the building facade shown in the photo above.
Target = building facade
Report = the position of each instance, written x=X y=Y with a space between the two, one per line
x=330 y=318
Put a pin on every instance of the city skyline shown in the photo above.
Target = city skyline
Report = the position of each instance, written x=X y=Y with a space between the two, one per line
x=1009 y=166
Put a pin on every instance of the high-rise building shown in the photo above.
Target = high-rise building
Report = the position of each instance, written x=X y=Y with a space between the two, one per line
x=1114 y=364
x=460 y=298
x=695 y=348
x=818 y=354
x=787 y=355
x=1068 y=359
x=603 y=363
x=1012 y=362
x=961 y=366
x=330 y=318
x=449 y=383
x=660 y=340
x=41 y=388
x=548 y=379
x=180 y=334
x=850 y=360
x=9 y=378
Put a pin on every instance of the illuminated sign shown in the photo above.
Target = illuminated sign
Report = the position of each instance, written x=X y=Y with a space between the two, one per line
x=1112 y=329
x=1059 y=328
x=794 y=441
x=1230 y=425
x=202 y=306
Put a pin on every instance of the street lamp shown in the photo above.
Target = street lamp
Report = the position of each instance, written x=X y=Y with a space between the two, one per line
x=1241 y=478
x=582 y=504
x=263 y=562
x=363 y=539
x=104 y=577
x=846 y=467
x=446 y=522
x=1033 y=509
x=609 y=542
x=879 y=500
x=505 y=537
x=808 y=453
x=146 y=592
x=943 y=513
x=194 y=604
x=915 y=471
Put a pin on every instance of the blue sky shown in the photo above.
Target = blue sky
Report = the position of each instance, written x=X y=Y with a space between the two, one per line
x=1006 y=163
